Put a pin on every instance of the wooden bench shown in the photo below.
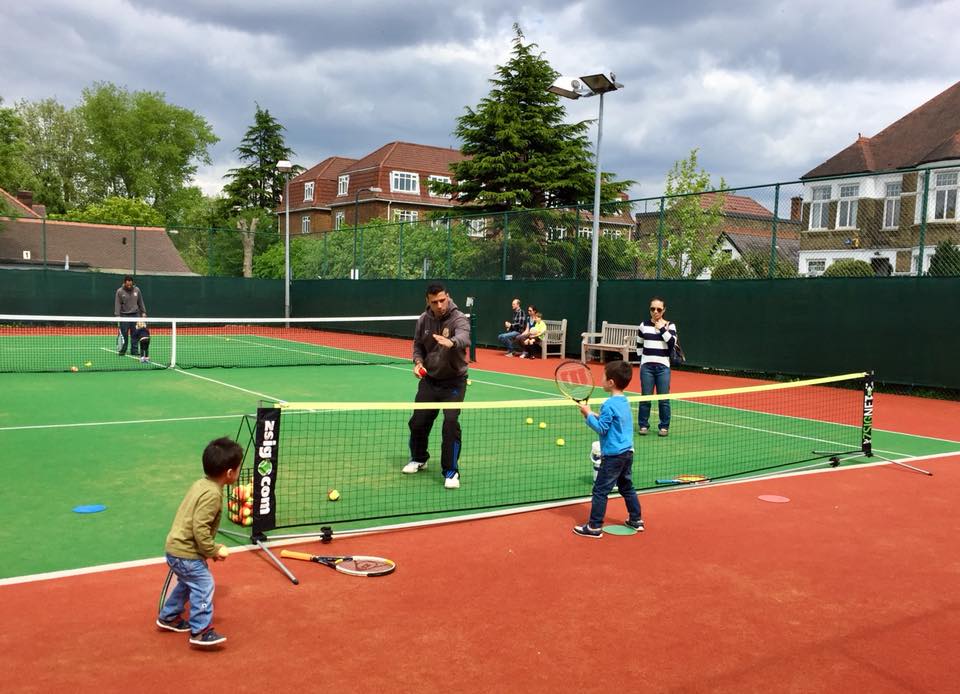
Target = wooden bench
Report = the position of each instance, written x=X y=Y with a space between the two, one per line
x=613 y=337
x=554 y=341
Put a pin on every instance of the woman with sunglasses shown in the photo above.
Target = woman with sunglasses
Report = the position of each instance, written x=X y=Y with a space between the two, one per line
x=655 y=339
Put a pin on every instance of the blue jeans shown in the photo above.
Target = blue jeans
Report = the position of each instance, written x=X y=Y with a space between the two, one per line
x=614 y=470
x=654 y=376
x=507 y=338
x=194 y=583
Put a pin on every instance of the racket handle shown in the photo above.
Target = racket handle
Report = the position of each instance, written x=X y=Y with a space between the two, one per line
x=289 y=554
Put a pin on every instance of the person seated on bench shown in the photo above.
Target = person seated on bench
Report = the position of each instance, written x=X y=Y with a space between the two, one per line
x=514 y=326
x=531 y=339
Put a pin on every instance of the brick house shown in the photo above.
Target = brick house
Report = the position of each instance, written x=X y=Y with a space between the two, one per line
x=336 y=192
x=867 y=201
x=746 y=227
x=29 y=240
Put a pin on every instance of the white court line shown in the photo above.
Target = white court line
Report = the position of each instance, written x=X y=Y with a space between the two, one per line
x=67 y=573
x=204 y=378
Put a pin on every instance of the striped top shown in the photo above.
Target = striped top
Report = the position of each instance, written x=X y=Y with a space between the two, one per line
x=653 y=345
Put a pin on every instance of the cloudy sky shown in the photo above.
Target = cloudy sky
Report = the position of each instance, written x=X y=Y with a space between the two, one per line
x=765 y=89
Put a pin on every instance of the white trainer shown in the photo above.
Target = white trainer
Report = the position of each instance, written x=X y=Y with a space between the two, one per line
x=452 y=482
x=413 y=466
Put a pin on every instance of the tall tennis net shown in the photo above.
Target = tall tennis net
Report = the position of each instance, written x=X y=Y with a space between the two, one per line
x=517 y=453
x=69 y=343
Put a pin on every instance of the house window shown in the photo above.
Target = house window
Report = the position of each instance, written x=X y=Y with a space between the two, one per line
x=945 y=196
x=585 y=232
x=819 y=209
x=847 y=207
x=477 y=228
x=305 y=225
x=438 y=179
x=891 y=205
x=556 y=233
x=816 y=266
x=343 y=183
x=338 y=220
x=308 y=191
x=405 y=215
x=404 y=182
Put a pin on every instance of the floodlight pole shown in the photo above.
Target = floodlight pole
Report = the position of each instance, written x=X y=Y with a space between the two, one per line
x=285 y=167
x=595 y=236
x=355 y=273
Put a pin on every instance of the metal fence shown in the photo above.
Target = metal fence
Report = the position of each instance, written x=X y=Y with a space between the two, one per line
x=864 y=225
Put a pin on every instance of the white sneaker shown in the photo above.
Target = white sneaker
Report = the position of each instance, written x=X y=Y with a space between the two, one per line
x=452 y=482
x=413 y=466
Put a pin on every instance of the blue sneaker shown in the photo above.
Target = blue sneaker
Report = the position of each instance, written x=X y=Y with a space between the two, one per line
x=175 y=624
x=635 y=524
x=586 y=531
x=207 y=638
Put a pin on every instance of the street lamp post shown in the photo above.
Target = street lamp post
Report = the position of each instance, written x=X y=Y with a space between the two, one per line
x=355 y=272
x=285 y=167
x=590 y=85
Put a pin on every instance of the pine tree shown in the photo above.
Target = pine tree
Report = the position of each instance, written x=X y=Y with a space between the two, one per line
x=522 y=154
x=258 y=183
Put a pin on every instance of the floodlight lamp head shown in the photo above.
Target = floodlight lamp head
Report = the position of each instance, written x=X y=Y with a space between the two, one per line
x=569 y=87
x=284 y=166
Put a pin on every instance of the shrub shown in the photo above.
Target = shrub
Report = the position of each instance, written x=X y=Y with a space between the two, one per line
x=848 y=267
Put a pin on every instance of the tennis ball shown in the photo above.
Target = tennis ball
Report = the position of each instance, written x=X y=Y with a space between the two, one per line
x=469 y=382
x=246 y=511
x=233 y=506
x=89 y=363
x=223 y=552
x=529 y=420
x=560 y=442
x=74 y=368
x=333 y=495
x=543 y=425
x=248 y=520
x=235 y=518
x=240 y=493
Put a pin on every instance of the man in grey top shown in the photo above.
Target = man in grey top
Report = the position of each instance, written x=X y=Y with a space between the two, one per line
x=440 y=362
x=128 y=303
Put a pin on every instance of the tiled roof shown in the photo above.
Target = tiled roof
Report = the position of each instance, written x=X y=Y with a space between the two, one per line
x=17 y=206
x=788 y=249
x=100 y=246
x=407 y=156
x=736 y=204
x=329 y=168
x=927 y=134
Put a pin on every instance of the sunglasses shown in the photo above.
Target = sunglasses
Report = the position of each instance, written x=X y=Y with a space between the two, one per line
x=657 y=309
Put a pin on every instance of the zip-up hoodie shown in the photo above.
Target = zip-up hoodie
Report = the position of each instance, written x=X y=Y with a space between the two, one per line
x=442 y=363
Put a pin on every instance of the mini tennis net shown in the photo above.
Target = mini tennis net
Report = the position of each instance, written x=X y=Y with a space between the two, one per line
x=518 y=453
x=69 y=343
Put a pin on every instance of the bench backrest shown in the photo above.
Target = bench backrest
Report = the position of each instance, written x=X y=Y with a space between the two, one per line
x=618 y=333
x=554 y=340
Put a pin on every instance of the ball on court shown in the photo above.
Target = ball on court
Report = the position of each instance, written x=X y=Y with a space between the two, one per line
x=74 y=368
x=333 y=495
x=543 y=425
x=560 y=442
x=89 y=363
x=529 y=420
x=469 y=382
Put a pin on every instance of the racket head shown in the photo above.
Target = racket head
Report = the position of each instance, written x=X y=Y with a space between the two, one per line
x=574 y=379
x=359 y=565
x=691 y=479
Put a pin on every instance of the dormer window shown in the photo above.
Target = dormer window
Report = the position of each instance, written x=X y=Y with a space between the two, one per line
x=343 y=183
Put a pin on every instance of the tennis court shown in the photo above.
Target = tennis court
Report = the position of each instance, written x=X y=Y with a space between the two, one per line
x=130 y=438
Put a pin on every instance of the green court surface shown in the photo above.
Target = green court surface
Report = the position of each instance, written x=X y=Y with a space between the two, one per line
x=132 y=441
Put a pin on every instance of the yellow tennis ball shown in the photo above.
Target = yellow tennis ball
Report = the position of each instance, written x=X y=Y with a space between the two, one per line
x=74 y=368
x=223 y=552
x=529 y=420
x=89 y=363
x=543 y=425
x=248 y=520
x=469 y=382
x=333 y=495
x=560 y=442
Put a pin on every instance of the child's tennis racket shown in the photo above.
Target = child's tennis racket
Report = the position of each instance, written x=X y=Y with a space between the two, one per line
x=684 y=479
x=355 y=565
x=574 y=380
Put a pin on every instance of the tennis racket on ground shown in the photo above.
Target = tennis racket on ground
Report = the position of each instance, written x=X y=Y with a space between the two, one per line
x=684 y=479
x=355 y=565
x=574 y=380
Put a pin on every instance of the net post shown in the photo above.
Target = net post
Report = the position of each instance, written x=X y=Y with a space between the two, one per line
x=867 y=422
x=173 y=344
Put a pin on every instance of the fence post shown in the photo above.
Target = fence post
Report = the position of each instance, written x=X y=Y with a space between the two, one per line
x=43 y=240
x=660 y=239
x=210 y=252
x=773 y=232
x=134 y=250
x=326 y=256
x=576 y=242
x=449 y=248
x=400 y=255
x=923 y=221
x=503 y=246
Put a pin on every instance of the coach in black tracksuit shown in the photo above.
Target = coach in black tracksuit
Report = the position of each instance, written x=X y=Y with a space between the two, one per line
x=128 y=303
x=440 y=361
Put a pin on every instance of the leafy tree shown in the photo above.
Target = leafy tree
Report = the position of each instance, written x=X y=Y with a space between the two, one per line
x=255 y=189
x=760 y=265
x=684 y=246
x=848 y=267
x=732 y=269
x=116 y=210
x=945 y=261
x=57 y=154
x=13 y=172
x=522 y=154
x=142 y=147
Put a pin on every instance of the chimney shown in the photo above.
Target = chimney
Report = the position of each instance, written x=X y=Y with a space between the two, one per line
x=796 y=208
x=25 y=197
